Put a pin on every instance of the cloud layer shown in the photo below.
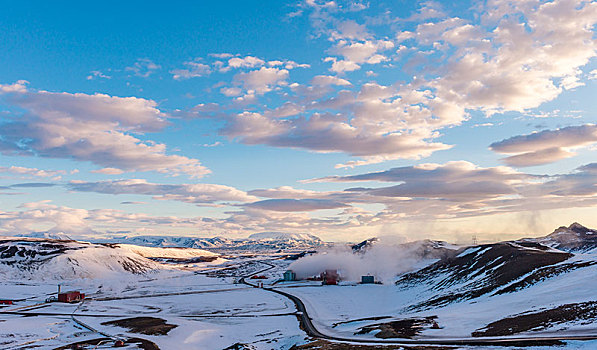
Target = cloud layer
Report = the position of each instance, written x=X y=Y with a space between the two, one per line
x=188 y=193
x=514 y=57
x=546 y=146
x=380 y=85
x=97 y=128
x=428 y=191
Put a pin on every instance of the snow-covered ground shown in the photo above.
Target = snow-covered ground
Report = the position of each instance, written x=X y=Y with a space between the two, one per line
x=211 y=309
x=210 y=312
x=152 y=252
x=330 y=305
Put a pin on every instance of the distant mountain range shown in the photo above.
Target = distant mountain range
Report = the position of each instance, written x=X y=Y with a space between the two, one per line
x=457 y=273
x=265 y=241
x=45 y=255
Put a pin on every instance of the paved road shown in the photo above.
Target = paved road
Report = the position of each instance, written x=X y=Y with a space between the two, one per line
x=309 y=328
x=155 y=295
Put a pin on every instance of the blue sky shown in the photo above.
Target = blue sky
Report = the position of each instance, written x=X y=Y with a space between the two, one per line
x=340 y=119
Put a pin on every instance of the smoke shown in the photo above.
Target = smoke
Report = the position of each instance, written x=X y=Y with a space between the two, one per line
x=384 y=260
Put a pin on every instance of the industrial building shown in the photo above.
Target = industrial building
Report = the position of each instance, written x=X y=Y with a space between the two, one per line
x=289 y=275
x=367 y=279
x=330 y=277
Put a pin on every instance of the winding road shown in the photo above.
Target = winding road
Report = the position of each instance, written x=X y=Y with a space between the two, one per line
x=311 y=330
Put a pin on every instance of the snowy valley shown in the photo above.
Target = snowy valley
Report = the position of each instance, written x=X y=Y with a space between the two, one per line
x=216 y=293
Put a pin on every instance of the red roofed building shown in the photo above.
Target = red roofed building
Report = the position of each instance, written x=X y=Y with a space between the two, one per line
x=71 y=297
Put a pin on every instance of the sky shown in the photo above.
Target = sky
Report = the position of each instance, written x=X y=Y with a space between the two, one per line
x=345 y=120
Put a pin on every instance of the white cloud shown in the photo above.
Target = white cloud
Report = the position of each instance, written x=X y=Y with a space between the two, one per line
x=296 y=205
x=342 y=65
x=453 y=190
x=361 y=52
x=236 y=62
x=17 y=170
x=357 y=53
x=521 y=63
x=519 y=56
x=97 y=74
x=514 y=64
x=188 y=193
x=215 y=144
x=245 y=62
x=231 y=91
x=288 y=109
x=381 y=125
x=221 y=55
x=45 y=216
x=144 y=67
x=37 y=216
x=288 y=192
x=428 y=10
x=546 y=146
x=97 y=128
x=539 y=157
x=193 y=69
x=262 y=80
x=108 y=171
x=350 y=29
x=326 y=133
x=325 y=80
x=461 y=189
x=19 y=86
x=292 y=65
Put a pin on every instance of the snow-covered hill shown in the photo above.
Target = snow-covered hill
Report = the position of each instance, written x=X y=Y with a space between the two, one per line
x=38 y=258
x=155 y=252
x=510 y=287
x=505 y=267
x=485 y=269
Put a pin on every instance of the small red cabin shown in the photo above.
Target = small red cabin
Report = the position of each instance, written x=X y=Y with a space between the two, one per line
x=70 y=297
x=5 y=302
x=330 y=277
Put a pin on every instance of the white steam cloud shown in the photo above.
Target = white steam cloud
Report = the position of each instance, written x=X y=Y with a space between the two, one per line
x=382 y=260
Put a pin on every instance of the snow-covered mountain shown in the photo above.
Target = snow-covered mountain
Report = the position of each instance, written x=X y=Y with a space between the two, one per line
x=485 y=269
x=529 y=284
x=39 y=258
x=284 y=236
x=574 y=238
x=47 y=235
x=169 y=241
x=505 y=267
x=265 y=241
